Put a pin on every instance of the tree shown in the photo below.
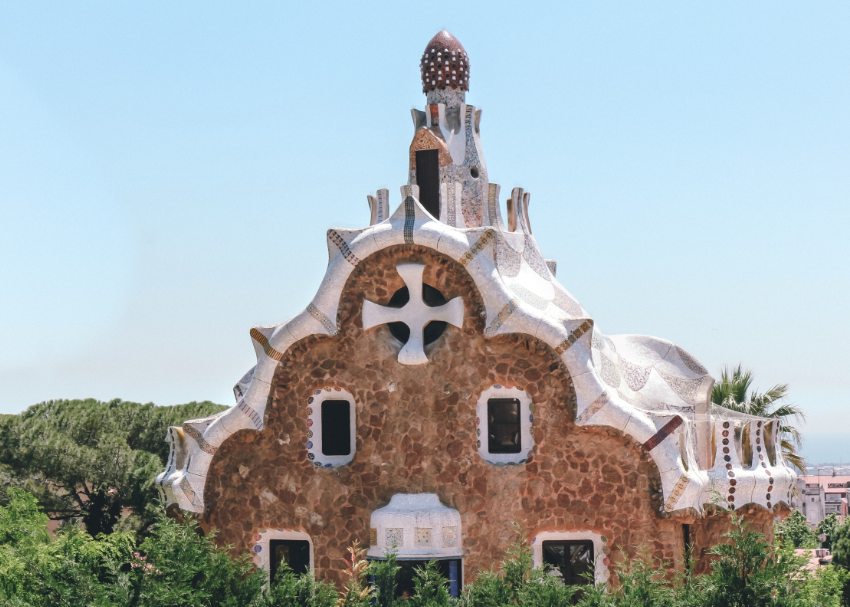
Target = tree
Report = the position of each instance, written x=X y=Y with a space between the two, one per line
x=828 y=527
x=749 y=572
x=175 y=565
x=841 y=554
x=734 y=391
x=88 y=460
x=796 y=531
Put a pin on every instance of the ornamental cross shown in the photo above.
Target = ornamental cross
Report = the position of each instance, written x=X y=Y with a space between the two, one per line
x=415 y=314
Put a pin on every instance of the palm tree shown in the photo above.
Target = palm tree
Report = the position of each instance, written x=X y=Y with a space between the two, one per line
x=734 y=392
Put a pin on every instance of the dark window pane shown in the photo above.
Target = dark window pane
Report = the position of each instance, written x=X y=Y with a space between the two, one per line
x=295 y=553
x=428 y=180
x=572 y=559
x=503 y=425
x=336 y=427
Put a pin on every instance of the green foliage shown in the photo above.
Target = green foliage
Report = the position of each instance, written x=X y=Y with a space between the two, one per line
x=290 y=590
x=385 y=575
x=828 y=527
x=488 y=590
x=841 y=554
x=734 y=391
x=545 y=589
x=751 y=573
x=517 y=565
x=823 y=588
x=641 y=582
x=841 y=545
x=431 y=587
x=88 y=459
x=181 y=566
x=175 y=566
x=795 y=529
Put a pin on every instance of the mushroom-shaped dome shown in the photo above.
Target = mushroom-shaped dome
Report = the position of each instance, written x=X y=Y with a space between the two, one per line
x=445 y=64
x=417 y=527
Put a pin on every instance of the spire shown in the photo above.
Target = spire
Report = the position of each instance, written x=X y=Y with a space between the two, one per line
x=445 y=64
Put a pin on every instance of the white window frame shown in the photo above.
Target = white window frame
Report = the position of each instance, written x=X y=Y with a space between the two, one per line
x=601 y=551
x=261 y=547
x=526 y=412
x=314 y=427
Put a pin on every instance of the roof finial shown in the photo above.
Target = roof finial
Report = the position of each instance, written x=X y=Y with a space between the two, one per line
x=445 y=64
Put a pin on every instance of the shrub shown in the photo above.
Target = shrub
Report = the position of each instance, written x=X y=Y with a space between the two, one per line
x=291 y=590
x=430 y=587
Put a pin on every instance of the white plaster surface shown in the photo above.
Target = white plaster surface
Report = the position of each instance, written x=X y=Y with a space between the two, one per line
x=417 y=526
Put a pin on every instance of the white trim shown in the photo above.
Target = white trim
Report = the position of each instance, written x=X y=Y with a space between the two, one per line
x=314 y=428
x=600 y=549
x=526 y=414
x=261 y=556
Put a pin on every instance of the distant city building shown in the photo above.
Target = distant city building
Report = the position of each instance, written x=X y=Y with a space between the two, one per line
x=822 y=495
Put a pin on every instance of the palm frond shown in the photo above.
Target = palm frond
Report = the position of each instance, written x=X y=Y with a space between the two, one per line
x=789 y=452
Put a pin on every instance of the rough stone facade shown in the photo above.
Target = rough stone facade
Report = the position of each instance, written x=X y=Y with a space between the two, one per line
x=416 y=432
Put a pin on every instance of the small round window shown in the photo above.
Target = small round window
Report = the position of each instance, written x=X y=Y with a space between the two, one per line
x=474 y=172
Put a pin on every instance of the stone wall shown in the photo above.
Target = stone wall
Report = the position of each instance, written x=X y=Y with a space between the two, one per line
x=416 y=432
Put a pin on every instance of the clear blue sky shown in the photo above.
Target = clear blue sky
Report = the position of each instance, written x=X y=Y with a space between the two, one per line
x=168 y=171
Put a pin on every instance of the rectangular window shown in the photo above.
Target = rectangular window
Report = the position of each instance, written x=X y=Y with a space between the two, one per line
x=573 y=559
x=336 y=427
x=503 y=425
x=295 y=553
x=428 y=180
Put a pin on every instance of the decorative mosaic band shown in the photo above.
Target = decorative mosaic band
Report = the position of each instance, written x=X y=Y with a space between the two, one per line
x=409 y=218
x=592 y=409
x=583 y=328
x=340 y=243
x=383 y=204
x=500 y=319
x=267 y=348
x=252 y=415
x=316 y=313
x=190 y=493
x=477 y=247
x=199 y=438
x=665 y=431
x=492 y=202
x=676 y=493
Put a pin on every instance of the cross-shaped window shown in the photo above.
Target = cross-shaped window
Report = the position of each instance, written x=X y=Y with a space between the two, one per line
x=417 y=314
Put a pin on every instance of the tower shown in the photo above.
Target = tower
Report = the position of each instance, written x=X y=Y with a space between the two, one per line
x=446 y=157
